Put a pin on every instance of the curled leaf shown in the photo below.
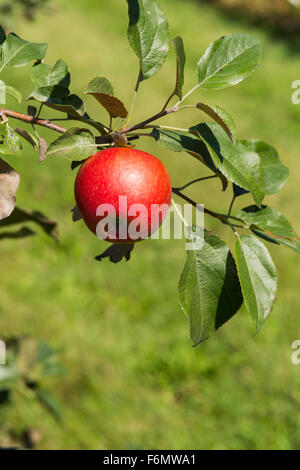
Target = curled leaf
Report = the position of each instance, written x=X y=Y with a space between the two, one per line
x=221 y=117
x=42 y=148
x=76 y=214
x=10 y=91
x=117 y=252
x=180 y=63
x=9 y=182
x=101 y=89
x=27 y=136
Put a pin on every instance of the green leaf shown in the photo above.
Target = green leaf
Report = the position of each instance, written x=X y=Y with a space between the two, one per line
x=9 y=140
x=47 y=361
x=9 y=180
x=49 y=402
x=186 y=142
x=273 y=223
x=58 y=97
x=2 y=35
x=148 y=35
x=257 y=274
x=17 y=52
x=221 y=117
x=209 y=290
x=43 y=75
x=237 y=163
x=275 y=173
x=100 y=85
x=101 y=89
x=10 y=91
x=180 y=63
x=228 y=61
x=76 y=143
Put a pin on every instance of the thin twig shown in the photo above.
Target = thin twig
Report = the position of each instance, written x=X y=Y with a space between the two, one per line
x=39 y=111
x=136 y=89
x=33 y=120
x=141 y=134
x=220 y=217
x=181 y=188
x=187 y=94
x=231 y=205
x=167 y=128
x=168 y=100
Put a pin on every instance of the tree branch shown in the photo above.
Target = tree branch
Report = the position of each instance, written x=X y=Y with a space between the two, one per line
x=33 y=120
x=222 y=217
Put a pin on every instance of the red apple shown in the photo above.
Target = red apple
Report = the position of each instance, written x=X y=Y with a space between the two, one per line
x=112 y=182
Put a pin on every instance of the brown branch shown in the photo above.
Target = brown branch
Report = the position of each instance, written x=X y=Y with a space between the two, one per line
x=224 y=218
x=193 y=203
x=33 y=120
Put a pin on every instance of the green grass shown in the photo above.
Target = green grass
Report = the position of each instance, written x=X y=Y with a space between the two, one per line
x=134 y=381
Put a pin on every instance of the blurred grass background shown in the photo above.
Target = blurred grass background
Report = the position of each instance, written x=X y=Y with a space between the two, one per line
x=278 y=16
x=133 y=380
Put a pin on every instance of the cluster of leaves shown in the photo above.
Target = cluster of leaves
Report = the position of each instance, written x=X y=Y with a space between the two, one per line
x=215 y=282
x=28 y=368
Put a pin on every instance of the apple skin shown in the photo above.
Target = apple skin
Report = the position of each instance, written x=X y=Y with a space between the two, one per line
x=121 y=171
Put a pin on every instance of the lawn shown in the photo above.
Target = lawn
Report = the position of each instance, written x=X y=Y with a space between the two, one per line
x=133 y=379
